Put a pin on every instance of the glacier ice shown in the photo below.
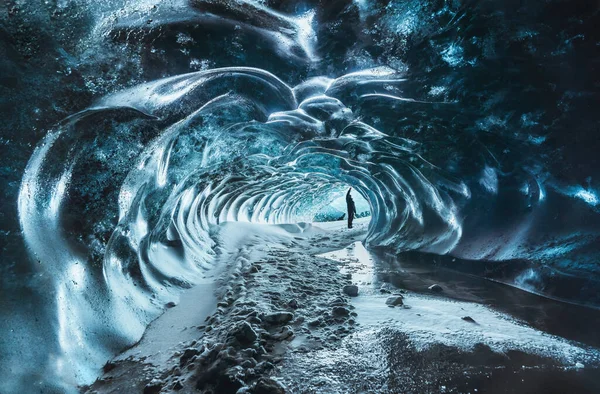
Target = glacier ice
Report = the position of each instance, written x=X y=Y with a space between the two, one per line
x=456 y=147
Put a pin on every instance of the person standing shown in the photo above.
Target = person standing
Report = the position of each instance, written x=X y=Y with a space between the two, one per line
x=351 y=208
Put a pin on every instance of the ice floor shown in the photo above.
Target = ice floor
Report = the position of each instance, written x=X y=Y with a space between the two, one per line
x=471 y=336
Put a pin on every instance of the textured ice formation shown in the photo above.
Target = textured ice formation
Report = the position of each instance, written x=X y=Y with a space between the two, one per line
x=467 y=130
x=119 y=199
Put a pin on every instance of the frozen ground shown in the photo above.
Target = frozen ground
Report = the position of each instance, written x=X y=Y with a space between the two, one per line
x=277 y=319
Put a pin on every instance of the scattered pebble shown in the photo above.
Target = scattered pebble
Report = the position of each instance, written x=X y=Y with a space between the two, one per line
x=437 y=288
x=395 y=300
x=244 y=333
x=187 y=355
x=109 y=366
x=268 y=386
x=153 y=387
x=340 y=311
x=278 y=318
x=351 y=290
x=293 y=304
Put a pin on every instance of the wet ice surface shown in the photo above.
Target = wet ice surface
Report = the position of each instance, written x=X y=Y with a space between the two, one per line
x=462 y=339
x=431 y=318
x=433 y=343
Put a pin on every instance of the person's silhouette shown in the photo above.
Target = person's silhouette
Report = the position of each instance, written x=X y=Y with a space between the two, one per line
x=351 y=208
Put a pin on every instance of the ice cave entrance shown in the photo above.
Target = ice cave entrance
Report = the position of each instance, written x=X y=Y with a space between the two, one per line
x=336 y=208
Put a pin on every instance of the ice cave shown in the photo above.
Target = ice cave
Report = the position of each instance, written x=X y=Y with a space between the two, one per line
x=308 y=196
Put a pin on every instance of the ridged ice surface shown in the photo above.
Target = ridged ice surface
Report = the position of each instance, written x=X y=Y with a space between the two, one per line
x=170 y=158
x=410 y=104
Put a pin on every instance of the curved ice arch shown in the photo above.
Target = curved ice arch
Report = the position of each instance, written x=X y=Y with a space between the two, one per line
x=123 y=195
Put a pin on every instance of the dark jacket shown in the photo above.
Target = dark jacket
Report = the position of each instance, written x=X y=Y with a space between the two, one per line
x=350 y=204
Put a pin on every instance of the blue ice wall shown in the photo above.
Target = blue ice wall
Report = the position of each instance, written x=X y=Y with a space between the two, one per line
x=130 y=127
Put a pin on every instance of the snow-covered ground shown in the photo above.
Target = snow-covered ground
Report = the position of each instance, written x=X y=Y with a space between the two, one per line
x=278 y=318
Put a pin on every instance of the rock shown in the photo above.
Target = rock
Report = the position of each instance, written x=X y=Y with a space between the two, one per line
x=177 y=386
x=248 y=353
x=340 y=311
x=250 y=363
x=153 y=387
x=351 y=290
x=437 y=288
x=395 y=300
x=285 y=333
x=468 y=318
x=339 y=301
x=170 y=304
x=579 y=365
x=187 y=355
x=229 y=382
x=293 y=304
x=268 y=386
x=384 y=291
x=261 y=350
x=254 y=320
x=244 y=333
x=109 y=366
x=278 y=318
x=264 y=366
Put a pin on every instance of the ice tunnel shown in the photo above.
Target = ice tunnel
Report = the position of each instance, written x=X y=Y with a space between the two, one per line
x=464 y=131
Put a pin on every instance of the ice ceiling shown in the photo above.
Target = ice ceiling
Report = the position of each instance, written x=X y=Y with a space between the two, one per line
x=468 y=127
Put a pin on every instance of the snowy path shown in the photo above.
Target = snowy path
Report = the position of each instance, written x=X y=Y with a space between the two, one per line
x=280 y=319
x=241 y=245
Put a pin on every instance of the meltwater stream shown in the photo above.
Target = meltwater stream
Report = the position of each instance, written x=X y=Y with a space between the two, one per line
x=464 y=126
